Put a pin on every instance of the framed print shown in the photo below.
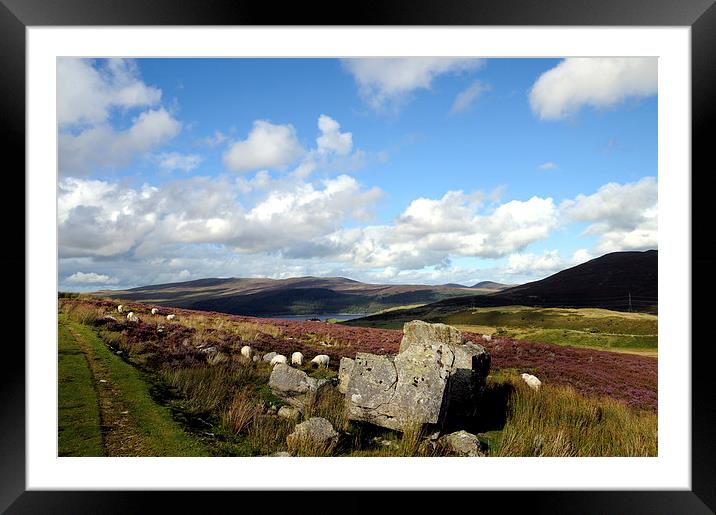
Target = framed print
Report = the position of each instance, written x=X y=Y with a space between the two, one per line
x=222 y=201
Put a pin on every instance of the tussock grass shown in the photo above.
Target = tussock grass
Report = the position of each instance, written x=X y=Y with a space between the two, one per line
x=558 y=421
x=244 y=408
x=331 y=405
x=83 y=313
x=209 y=389
x=267 y=434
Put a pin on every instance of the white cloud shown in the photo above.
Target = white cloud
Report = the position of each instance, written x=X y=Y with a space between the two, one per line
x=549 y=165
x=102 y=146
x=465 y=98
x=90 y=278
x=386 y=81
x=267 y=146
x=331 y=139
x=624 y=216
x=217 y=139
x=529 y=266
x=170 y=161
x=596 y=82
x=86 y=91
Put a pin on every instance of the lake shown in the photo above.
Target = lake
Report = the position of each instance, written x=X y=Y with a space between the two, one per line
x=323 y=316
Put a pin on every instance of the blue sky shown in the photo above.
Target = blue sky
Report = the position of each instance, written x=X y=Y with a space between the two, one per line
x=383 y=170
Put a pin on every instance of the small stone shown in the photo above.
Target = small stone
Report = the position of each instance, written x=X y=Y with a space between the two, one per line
x=463 y=443
x=289 y=413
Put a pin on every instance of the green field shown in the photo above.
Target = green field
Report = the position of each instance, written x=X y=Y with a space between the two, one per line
x=586 y=327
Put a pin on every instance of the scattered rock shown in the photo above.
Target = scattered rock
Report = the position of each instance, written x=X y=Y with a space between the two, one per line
x=289 y=413
x=269 y=356
x=294 y=386
x=463 y=443
x=256 y=359
x=344 y=374
x=281 y=454
x=316 y=432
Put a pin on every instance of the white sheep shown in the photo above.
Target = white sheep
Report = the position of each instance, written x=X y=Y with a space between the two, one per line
x=531 y=381
x=171 y=317
x=321 y=360
x=487 y=337
x=120 y=308
x=246 y=351
x=297 y=359
x=278 y=358
x=155 y=311
x=131 y=317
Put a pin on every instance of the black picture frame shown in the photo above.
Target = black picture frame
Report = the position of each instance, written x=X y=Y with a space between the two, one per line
x=699 y=15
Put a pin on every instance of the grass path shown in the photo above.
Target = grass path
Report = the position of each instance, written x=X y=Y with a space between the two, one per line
x=110 y=397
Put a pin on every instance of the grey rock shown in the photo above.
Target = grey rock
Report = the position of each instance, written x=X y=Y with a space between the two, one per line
x=344 y=374
x=256 y=359
x=282 y=454
x=421 y=332
x=316 y=432
x=269 y=356
x=425 y=384
x=463 y=443
x=294 y=386
x=289 y=413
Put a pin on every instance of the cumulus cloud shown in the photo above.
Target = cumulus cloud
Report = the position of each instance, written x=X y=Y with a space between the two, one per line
x=102 y=219
x=170 y=161
x=331 y=139
x=623 y=216
x=384 y=82
x=102 y=146
x=465 y=98
x=596 y=82
x=549 y=165
x=267 y=146
x=87 y=91
x=90 y=278
x=542 y=265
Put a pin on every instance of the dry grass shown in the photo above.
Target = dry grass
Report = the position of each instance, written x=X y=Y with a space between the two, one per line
x=244 y=408
x=558 y=421
x=267 y=434
x=82 y=313
x=331 y=405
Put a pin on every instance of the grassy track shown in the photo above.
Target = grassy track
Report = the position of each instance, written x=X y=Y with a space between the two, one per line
x=131 y=423
x=78 y=421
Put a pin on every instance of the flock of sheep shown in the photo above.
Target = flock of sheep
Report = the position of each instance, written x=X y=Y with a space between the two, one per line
x=321 y=360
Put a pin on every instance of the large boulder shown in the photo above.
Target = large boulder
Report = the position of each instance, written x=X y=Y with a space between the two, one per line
x=294 y=386
x=344 y=374
x=418 y=331
x=427 y=383
x=314 y=435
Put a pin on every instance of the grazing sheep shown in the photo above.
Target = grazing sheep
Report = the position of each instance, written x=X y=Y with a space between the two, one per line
x=246 y=351
x=487 y=337
x=171 y=317
x=120 y=308
x=131 y=317
x=297 y=359
x=278 y=358
x=531 y=381
x=321 y=360
x=155 y=311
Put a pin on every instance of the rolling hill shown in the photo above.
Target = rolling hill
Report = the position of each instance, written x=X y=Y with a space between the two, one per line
x=295 y=296
x=620 y=281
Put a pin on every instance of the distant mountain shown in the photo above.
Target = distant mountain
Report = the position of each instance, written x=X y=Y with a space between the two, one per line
x=298 y=295
x=490 y=285
x=455 y=285
x=621 y=281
